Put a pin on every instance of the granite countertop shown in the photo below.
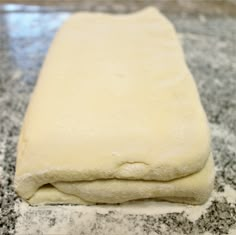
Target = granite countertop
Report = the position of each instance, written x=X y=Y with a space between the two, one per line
x=210 y=46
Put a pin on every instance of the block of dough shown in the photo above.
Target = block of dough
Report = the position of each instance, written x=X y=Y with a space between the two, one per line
x=115 y=116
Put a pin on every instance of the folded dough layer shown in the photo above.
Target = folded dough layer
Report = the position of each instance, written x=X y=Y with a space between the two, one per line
x=115 y=104
x=193 y=189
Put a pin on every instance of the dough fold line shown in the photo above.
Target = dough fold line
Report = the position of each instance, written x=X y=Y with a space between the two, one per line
x=114 y=191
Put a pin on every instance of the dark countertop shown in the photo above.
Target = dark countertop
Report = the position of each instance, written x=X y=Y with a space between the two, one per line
x=210 y=46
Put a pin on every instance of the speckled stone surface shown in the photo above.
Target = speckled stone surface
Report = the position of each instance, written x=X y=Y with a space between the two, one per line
x=210 y=47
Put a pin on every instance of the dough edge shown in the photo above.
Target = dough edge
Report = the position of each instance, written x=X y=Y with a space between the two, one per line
x=194 y=189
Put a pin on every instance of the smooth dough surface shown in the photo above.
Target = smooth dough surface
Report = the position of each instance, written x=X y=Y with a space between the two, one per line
x=115 y=114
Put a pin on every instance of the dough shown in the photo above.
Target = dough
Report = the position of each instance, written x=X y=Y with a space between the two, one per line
x=115 y=116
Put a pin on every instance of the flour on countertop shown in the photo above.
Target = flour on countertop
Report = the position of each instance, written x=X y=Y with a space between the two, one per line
x=66 y=219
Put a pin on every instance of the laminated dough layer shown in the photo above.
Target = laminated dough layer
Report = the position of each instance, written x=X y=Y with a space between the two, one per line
x=114 y=106
x=193 y=189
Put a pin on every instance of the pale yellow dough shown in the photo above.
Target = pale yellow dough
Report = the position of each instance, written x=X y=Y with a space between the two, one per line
x=115 y=116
